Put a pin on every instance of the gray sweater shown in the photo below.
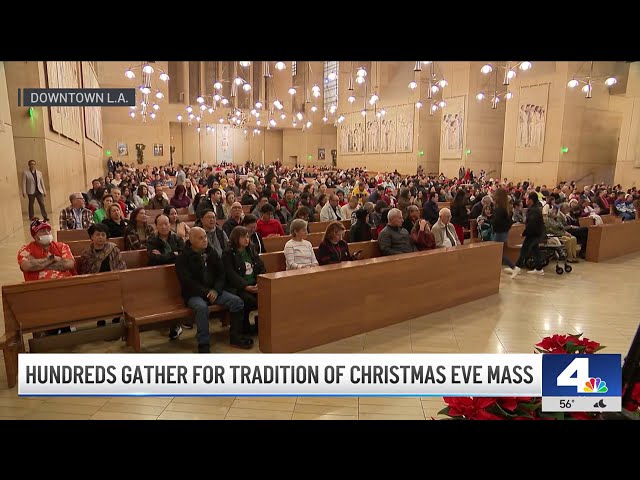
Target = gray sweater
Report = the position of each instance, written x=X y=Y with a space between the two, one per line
x=395 y=240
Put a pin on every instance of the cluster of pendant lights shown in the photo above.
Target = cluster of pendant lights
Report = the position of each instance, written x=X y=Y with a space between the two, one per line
x=146 y=89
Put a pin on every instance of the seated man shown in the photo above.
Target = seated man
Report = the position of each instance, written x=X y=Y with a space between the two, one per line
x=202 y=278
x=395 y=239
x=331 y=210
x=262 y=201
x=235 y=217
x=164 y=247
x=218 y=240
x=158 y=202
x=76 y=216
x=443 y=232
x=44 y=259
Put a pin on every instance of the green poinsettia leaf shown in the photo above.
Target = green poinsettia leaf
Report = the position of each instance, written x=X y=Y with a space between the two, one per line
x=540 y=350
x=599 y=348
x=444 y=411
x=498 y=410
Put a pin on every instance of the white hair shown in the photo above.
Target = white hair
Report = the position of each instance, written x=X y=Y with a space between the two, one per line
x=444 y=211
x=394 y=212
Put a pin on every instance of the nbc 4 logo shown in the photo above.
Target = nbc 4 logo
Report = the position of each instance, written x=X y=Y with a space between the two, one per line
x=577 y=375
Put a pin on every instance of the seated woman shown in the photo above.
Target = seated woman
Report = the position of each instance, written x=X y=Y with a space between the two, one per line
x=376 y=215
x=302 y=213
x=178 y=227
x=138 y=231
x=572 y=226
x=333 y=248
x=422 y=236
x=518 y=212
x=382 y=222
x=485 y=224
x=298 y=252
x=361 y=230
x=101 y=213
x=164 y=246
x=180 y=198
x=100 y=256
x=242 y=265
x=127 y=198
x=554 y=227
x=115 y=222
x=229 y=200
x=142 y=197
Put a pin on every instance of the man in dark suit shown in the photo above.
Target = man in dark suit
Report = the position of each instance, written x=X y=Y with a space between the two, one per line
x=33 y=187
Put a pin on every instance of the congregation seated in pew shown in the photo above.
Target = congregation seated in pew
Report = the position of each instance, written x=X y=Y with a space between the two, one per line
x=333 y=248
x=298 y=251
x=394 y=238
x=443 y=231
x=76 y=216
x=101 y=255
x=177 y=226
x=234 y=218
x=251 y=224
x=115 y=222
x=164 y=246
x=138 y=232
x=361 y=230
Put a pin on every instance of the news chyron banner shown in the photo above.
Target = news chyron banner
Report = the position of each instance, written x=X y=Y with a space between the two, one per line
x=566 y=382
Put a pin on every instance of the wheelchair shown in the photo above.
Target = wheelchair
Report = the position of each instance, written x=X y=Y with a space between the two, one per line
x=551 y=250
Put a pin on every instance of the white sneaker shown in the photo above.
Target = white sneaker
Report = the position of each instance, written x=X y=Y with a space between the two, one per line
x=508 y=270
x=515 y=272
x=536 y=272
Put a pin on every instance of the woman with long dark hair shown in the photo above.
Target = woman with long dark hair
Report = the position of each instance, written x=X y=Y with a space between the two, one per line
x=459 y=214
x=180 y=198
x=501 y=221
x=138 y=231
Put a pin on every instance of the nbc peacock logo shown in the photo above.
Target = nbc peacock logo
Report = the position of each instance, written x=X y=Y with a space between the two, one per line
x=595 y=385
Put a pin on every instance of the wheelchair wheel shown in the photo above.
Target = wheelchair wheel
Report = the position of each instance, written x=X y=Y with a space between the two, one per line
x=559 y=270
x=568 y=268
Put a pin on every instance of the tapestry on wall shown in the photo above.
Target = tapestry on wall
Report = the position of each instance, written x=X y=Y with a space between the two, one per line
x=357 y=137
x=388 y=131
x=343 y=132
x=64 y=120
x=532 y=119
x=404 y=128
x=224 y=144
x=92 y=115
x=372 y=133
x=452 y=132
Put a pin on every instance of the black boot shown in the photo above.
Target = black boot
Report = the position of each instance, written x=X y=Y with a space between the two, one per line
x=237 y=339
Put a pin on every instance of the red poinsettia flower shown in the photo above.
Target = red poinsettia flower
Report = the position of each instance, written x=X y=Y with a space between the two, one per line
x=508 y=403
x=589 y=346
x=635 y=393
x=471 y=408
x=555 y=342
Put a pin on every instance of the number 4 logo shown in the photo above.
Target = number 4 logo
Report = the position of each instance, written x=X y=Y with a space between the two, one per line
x=575 y=375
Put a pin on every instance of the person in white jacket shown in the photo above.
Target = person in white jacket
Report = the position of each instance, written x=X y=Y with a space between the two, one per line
x=331 y=211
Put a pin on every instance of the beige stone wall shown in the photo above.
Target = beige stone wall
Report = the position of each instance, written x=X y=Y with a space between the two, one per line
x=10 y=213
x=627 y=172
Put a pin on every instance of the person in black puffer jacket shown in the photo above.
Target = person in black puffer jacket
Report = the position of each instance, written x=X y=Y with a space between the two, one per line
x=533 y=233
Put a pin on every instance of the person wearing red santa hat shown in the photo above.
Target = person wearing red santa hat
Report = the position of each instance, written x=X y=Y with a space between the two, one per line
x=44 y=259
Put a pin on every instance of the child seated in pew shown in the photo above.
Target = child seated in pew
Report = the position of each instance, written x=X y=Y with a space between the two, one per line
x=333 y=249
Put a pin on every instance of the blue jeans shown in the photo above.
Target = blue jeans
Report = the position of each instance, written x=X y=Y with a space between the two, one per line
x=200 y=308
x=502 y=237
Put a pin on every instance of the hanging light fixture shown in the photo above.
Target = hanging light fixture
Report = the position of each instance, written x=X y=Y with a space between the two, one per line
x=508 y=72
x=588 y=80
x=146 y=88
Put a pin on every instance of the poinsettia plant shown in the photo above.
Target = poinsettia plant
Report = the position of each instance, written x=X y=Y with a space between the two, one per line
x=525 y=408
x=633 y=404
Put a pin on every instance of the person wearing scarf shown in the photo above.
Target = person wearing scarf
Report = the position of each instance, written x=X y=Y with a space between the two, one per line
x=101 y=255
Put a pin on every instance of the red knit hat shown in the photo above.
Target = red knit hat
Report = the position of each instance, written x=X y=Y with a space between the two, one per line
x=38 y=225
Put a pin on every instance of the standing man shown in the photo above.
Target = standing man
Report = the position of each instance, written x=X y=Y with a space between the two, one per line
x=181 y=177
x=33 y=187
x=534 y=232
x=111 y=165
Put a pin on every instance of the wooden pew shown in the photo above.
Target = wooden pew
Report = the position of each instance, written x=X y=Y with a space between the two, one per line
x=612 y=240
x=190 y=217
x=316 y=227
x=151 y=296
x=397 y=299
x=79 y=246
x=514 y=241
x=132 y=258
x=473 y=230
x=66 y=236
x=585 y=221
x=43 y=305
x=275 y=261
x=276 y=244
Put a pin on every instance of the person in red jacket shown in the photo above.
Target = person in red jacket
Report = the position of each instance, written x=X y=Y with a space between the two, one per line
x=267 y=226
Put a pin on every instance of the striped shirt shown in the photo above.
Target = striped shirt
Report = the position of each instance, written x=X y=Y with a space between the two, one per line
x=298 y=254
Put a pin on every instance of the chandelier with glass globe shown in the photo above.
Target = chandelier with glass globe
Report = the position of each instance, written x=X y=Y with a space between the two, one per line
x=434 y=85
x=370 y=99
x=150 y=96
x=609 y=80
x=508 y=72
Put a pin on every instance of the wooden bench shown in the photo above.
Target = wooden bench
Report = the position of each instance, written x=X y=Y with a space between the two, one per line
x=132 y=258
x=152 y=296
x=190 y=217
x=612 y=240
x=31 y=307
x=66 y=236
x=396 y=299
x=79 y=246
x=514 y=241
x=276 y=244
x=275 y=261
x=315 y=227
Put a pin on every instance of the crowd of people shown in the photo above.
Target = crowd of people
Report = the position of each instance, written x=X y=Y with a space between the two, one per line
x=218 y=257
